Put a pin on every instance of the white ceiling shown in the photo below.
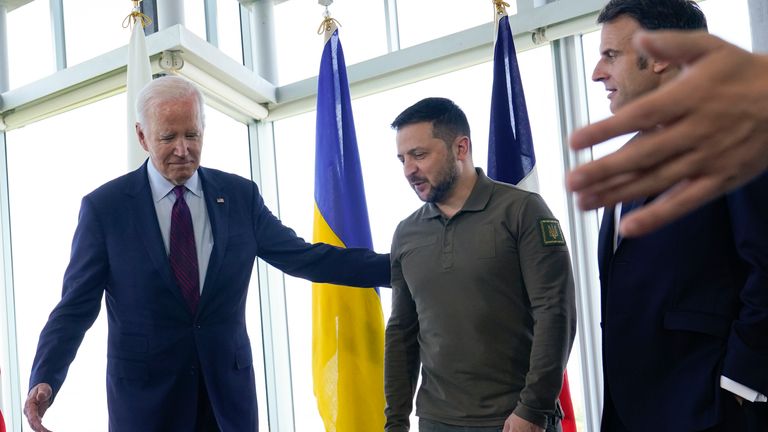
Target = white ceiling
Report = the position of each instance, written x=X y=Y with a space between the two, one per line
x=13 y=4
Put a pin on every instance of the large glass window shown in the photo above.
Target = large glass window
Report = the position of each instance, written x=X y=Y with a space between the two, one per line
x=230 y=38
x=729 y=19
x=29 y=31
x=85 y=18
x=298 y=46
x=194 y=17
x=422 y=21
x=228 y=32
x=46 y=180
x=390 y=198
x=226 y=144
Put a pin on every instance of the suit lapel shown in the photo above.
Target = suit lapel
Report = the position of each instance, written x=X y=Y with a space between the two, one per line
x=217 y=204
x=605 y=240
x=146 y=227
x=625 y=208
x=605 y=254
x=635 y=204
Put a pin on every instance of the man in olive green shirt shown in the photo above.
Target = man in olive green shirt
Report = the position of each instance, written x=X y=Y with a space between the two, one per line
x=482 y=291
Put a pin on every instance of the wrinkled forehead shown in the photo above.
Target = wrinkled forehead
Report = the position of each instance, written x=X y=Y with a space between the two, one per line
x=175 y=108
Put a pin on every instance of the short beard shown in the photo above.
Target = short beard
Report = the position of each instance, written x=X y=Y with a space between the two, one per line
x=446 y=183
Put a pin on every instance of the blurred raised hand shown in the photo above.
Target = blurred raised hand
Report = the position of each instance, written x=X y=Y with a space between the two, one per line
x=704 y=133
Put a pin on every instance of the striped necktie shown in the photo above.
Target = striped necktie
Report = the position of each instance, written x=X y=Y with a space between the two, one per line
x=183 y=253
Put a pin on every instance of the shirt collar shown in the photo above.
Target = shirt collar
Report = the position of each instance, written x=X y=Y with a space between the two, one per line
x=476 y=201
x=161 y=187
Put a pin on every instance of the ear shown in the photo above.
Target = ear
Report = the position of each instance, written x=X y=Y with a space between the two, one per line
x=463 y=147
x=140 y=135
x=660 y=66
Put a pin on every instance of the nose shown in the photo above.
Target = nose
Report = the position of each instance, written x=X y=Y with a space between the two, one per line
x=409 y=167
x=599 y=75
x=181 y=148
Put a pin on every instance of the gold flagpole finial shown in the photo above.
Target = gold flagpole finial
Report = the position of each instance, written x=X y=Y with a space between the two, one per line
x=501 y=7
x=329 y=25
x=136 y=16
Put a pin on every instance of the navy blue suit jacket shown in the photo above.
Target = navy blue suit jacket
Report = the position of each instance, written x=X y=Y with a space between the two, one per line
x=157 y=349
x=683 y=305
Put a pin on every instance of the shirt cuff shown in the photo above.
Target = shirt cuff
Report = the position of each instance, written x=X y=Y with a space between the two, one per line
x=741 y=390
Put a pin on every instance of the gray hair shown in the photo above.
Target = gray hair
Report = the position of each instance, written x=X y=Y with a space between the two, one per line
x=167 y=88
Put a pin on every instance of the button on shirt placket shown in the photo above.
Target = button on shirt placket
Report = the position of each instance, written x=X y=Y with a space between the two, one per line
x=446 y=251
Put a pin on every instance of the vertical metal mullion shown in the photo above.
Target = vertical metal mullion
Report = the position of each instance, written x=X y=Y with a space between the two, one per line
x=59 y=40
x=758 y=18
x=274 y=315
x=261 y=37
x=246 y=37
x=257 y=30
x=392 y=25
x=249 y=26
x=572 y=101
x=11 y=386
x=211 y=22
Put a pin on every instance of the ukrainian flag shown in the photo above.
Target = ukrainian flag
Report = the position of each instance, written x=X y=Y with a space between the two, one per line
x=348 y=324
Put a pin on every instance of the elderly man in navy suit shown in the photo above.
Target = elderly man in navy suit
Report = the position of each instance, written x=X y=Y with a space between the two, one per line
x=172 y=246
x=684 y=309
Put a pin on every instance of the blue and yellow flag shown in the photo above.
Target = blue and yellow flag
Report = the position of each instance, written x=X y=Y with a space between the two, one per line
x=348 y=324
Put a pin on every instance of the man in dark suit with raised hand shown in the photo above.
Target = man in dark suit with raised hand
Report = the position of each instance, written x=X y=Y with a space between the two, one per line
x=685 y=308
x=172 y=245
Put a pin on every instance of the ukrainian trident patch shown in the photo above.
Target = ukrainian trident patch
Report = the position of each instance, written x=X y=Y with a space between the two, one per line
x=551 y=234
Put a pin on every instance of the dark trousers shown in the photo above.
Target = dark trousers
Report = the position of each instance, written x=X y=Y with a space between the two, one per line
x=553 y=425
x=206 y=421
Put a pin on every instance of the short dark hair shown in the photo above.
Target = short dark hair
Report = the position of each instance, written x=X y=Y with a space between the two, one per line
x=656 y=14
x=448 y=120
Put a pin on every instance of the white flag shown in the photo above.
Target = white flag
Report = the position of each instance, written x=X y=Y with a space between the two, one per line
x=139 y=75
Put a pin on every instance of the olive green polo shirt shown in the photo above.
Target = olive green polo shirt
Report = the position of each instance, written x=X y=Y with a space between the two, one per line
x=484 y=303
